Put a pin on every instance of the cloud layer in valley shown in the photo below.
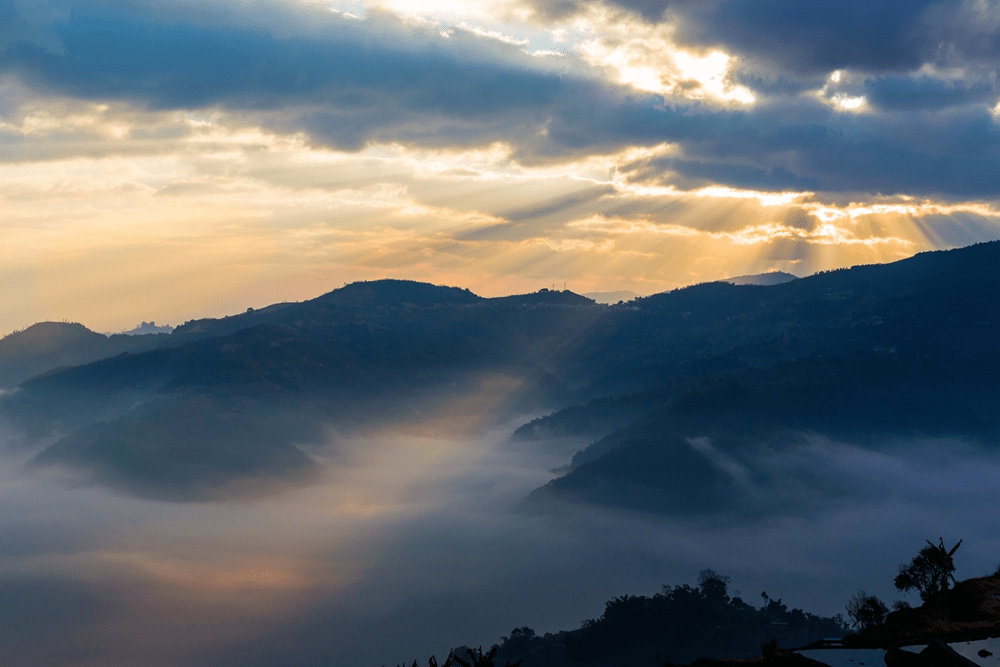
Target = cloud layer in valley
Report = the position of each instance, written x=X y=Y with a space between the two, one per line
x=412 y=544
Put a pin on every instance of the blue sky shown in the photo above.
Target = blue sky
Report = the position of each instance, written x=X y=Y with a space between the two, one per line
x=180 y=159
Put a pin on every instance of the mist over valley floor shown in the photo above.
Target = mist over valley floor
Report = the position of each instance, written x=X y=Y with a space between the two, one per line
x=395 y=469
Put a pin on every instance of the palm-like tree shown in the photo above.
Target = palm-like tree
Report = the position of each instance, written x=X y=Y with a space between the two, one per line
x=930 y=572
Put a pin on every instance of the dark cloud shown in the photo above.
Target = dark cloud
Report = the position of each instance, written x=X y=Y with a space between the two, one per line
x=820 y=36
x=773 y=83
x=806 y=38
x=347 y=83
x=180 y=64
x=950 y=154
x=924 y=92
x=690 y=174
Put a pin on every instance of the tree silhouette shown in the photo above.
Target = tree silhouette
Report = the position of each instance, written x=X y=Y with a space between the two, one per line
x=475 y=658
x=713 y=585
x=678 y=625
x=866 y=610
x=930 y=572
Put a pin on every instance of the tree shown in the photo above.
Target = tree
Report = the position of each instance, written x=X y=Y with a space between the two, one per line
x=476 y=658
x=866 y=610
x=713 y=585
x=930 y=572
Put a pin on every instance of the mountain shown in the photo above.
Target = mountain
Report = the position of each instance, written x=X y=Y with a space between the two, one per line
x=611 y=297
x=48 y=345
x=148 y=328
x=222 y=410
x=872 y=356
x=770 y=278
x=685 y=397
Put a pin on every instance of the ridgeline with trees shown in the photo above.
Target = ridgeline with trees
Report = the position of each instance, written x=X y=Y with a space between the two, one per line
x=869 y=356
x=677 y=625
x=706 y=626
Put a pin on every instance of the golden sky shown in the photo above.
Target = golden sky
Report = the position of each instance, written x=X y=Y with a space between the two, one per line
x=183 y=160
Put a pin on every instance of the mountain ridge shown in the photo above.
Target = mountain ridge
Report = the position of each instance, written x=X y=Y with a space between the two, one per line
x=866 y=343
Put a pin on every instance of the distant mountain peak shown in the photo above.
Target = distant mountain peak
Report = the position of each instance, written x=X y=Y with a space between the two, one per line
x=391 y=292
x=47 y=345
x=148 y=328
x=611 y=297
x=769 y=278
x=546 y=296
x=46 y=334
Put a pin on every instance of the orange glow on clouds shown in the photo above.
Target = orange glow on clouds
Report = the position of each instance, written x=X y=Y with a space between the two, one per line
x=167 y=217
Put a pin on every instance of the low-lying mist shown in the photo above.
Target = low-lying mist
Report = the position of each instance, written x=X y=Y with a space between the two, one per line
x=412 y=541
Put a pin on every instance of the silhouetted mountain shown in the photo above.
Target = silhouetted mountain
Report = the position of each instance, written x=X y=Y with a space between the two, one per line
x=544 y=296
x=871 y=355
x=359 y=355
x=695 y=385
x=611 y=297
x=770 y=278
x=148 y=328
x=397 y=293
x=48 y=345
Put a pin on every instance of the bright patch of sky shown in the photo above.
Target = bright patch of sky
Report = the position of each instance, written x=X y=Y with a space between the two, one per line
x=496 y=20
x=634 y=53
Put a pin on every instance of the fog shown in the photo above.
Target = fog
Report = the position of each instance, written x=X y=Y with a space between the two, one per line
x=413 y=542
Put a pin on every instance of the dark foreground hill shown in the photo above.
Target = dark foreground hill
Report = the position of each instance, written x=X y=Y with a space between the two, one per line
x=703 y=626
x=688 y=397
x=680 y=624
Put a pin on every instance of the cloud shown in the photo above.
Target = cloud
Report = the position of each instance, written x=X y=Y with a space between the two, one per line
x=354 y=78
x=564 y=206
x=819 y=37
x=925 y=92
x=349 y=83
x=947 y=154
x=815 y=38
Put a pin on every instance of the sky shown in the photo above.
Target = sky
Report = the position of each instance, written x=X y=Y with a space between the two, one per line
x=172 y=160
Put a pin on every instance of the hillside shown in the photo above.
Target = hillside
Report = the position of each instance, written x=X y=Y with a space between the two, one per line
x=679 y=624
x=225 y=409
x=697 y=387
x=704 y=626
x=770 y=278
x=873 y=356
x=48 y=345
